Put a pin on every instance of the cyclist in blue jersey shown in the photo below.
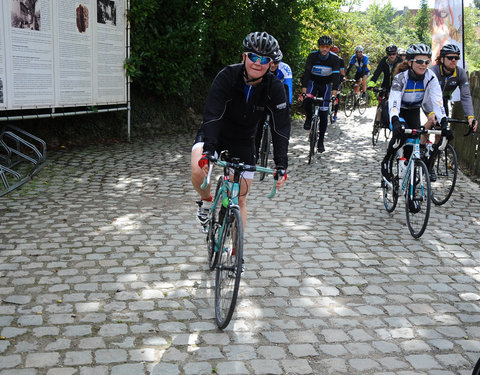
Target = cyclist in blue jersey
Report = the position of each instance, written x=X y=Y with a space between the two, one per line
x=410 y=90
x=320 y=78
x=284 y=74
x=336 y=51
x=362 y=68
x=236 y=104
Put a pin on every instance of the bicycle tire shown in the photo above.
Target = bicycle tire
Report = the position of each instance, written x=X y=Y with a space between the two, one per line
x=214 y=224
x=445 y=165
x=312 y=138
x=390 y=193
x=264 y=150
x=349 y=103
x=229 y=269
x=476 y=369
x=375 y=132
x=363 y=103
x=420 y=193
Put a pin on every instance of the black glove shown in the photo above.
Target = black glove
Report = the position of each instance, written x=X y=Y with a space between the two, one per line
x=333 y=99
x=446 y=131
x=398 y=127
x=281 y=171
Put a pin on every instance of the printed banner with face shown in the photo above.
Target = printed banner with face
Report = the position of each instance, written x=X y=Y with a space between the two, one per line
x=447 y=26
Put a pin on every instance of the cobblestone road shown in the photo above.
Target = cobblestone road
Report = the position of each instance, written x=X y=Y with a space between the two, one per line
x=103 y=270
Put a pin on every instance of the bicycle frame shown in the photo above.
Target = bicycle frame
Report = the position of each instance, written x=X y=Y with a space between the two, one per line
x=231 y=190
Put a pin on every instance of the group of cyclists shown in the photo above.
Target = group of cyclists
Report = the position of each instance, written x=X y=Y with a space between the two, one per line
x=242 y=94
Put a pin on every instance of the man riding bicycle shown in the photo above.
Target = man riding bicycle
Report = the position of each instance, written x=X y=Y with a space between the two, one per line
x=362 y=66
x=450 y=76
x=236 y=104
x=386 y=66
x=410 y=90
x=320 y=78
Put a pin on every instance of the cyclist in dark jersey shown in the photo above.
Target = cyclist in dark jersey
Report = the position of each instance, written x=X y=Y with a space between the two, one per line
x=236 y=104
x=386 y=66
x=450 y=76
x=320 y=78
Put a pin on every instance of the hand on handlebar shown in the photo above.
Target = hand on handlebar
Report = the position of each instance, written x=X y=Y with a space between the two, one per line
x=280 y=171
x=446 y=131
x=398 y=127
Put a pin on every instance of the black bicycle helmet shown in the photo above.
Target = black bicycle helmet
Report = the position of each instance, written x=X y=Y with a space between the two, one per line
x=449 y=48
x=418 y=49
x=392 y=48
x=325 y=40
x=278 y=57
x=261 y=43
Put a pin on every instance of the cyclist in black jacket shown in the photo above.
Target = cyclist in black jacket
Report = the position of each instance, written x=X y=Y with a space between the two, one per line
x=320 y=78
x=386 y=66
x=235 y=106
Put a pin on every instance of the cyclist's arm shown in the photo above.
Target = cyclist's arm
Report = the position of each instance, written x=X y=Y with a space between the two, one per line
x=377 y=72
x=288 y=81
x=280 y=123
x=395 y=98
x=465 y=95
x=433 y=94
x=307 y=72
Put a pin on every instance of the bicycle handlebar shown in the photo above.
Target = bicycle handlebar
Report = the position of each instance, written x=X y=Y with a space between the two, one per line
x=457 y=121
x=242 y=167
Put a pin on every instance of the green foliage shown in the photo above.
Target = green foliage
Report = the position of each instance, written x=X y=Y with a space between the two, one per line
x=472 y=47
x=422 y=23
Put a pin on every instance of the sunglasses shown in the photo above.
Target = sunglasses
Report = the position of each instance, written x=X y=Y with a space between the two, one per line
x=453 y=57
x=254 y=58
x=421 y=62
x=324 y=46
x=391 y=54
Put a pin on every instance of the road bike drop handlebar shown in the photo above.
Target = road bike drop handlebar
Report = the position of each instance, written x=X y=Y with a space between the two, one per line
x=317 y=98
x=470 y=128
x=418 y=132
x=242 y=167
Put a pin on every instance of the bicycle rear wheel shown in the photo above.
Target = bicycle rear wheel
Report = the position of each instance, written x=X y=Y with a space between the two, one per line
x=212 y=235
x=264 y=150
x=445 y=165
x=390 y=190
x=418 y=198
x=349 y=103
x=312 y=138
x=229 y=269
x=476 y=369
x=363 y=103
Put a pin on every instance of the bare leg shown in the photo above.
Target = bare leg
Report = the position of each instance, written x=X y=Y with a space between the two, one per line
x=198 y=174
x=245 y=185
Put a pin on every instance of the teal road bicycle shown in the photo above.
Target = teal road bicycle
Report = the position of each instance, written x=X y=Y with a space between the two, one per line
x=225 y=235
x=412 y=180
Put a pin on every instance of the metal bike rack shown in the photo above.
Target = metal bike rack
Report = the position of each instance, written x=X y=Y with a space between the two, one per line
x=22 y=155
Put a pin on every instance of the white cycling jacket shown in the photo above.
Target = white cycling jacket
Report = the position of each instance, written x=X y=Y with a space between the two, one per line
x=409 y=93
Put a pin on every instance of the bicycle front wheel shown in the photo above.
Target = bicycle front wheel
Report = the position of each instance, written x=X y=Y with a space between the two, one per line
x=229 y=269
x=349 y=103
x=445 y=167
x=390 y=190
x=363 y=103
x=313 y=138
x=375 y=132
x=212 y=235
x=418 y=198
x=264 y=150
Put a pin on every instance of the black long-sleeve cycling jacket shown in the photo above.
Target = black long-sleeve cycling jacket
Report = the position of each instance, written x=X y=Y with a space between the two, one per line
x=233 y=110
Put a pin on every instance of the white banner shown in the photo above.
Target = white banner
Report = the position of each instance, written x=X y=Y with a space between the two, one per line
x=56 y=53
x=447 y=25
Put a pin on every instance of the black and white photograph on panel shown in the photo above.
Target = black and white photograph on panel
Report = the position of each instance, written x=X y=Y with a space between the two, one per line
x=106 y=12
x=26 y=14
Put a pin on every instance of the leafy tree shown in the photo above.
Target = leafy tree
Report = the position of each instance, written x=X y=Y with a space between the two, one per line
x=422 y=23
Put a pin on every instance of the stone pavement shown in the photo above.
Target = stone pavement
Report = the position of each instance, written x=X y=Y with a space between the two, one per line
x=103 y=270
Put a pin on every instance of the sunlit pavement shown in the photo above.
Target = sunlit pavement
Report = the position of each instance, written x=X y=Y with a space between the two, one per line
x=103 y=269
